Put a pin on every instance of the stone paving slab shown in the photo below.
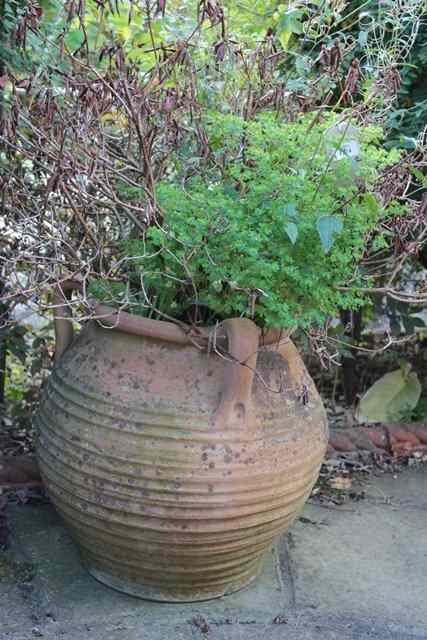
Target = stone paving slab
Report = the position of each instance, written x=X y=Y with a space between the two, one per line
x=366 y=559
x=66 y=592
x=354 y=572
x=12 y=607
x=294 y=630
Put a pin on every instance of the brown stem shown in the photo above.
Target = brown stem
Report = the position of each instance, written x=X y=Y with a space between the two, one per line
x=352 y=321
x=3 y=352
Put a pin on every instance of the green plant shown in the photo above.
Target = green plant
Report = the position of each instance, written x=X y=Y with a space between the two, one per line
x=175 y=211
x=269 y=226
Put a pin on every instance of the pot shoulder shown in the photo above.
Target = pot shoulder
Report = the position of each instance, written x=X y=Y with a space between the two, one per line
x=142 y=374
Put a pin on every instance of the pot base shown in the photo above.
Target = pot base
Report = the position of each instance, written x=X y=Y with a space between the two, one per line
x=172 y=595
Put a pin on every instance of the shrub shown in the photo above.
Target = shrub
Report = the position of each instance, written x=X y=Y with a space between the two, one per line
x=269 y=225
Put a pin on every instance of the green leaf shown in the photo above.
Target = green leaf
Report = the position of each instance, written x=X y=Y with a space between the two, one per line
x=408 y=143
x=328 y=226
x=393 y=395
x=291 y=21
x=420 y=177
x=291 y=210
x=372 y=203
x=303 y=65
x=74 y=39
x=288 y=25
x=292 y=231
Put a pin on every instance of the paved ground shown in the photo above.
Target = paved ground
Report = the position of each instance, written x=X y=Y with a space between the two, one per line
x=351 y=572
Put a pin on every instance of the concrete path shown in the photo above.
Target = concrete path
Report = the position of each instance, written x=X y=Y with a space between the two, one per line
x=348 y=572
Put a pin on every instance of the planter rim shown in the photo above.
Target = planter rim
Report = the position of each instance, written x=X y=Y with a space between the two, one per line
x=116 y=319
x=180 y=333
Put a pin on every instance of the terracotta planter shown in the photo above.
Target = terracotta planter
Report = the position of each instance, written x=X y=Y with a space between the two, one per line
x=175 y=468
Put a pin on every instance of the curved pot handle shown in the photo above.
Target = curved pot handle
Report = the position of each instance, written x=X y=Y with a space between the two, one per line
x=235 y=408
x=62 y=316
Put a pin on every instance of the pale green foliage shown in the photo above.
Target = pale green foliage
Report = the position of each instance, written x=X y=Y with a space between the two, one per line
x=269 y=226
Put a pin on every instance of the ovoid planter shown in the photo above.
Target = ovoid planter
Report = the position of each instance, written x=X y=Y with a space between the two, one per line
x=175 y=466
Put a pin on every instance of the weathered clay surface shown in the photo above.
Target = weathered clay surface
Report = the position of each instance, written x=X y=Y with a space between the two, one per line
x=176 y=469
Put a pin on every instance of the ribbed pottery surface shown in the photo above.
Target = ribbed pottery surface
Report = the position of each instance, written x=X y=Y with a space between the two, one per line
x=161 y=504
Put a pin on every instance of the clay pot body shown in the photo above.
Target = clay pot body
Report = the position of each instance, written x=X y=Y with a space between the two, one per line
x=176 y=469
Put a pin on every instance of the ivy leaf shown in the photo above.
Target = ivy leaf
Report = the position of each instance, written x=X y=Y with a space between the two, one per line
x=292 y=231
x=408 y=143
x=328 y=226
x=291 y=21
x=289 y=24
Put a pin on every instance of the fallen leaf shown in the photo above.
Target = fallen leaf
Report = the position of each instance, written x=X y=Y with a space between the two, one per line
x=201 y=623
x=341 y=483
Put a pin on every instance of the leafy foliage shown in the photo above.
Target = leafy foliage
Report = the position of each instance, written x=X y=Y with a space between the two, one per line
x=204 y=191
x=270 y=227
x=110 y=123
